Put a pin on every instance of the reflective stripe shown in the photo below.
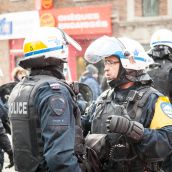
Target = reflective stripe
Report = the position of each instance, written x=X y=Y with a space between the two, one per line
x=43 y=51
x=157 y=42
x=121 y=56
x=136 y=58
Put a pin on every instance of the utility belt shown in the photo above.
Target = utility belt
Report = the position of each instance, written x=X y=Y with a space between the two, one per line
x=106 y=150
x=153 y=167
x=42 y=167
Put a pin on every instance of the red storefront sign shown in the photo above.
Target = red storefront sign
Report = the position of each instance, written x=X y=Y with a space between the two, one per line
x=90 y=20
x=47 y=4
x=84 y=24
x=47 y=19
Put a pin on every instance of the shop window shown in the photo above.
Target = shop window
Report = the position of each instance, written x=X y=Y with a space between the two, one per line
x=80 y=66
x=150 y=8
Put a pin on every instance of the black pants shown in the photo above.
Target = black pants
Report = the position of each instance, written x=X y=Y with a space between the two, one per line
x=167 y=164
x=1 y=159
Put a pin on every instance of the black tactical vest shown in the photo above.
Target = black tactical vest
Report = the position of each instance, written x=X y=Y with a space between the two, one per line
x=121 y=151
x=26 y=132
x=106 y=105
x=162 y=78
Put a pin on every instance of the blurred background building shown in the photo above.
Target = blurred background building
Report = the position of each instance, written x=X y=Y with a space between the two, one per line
x=84 y=20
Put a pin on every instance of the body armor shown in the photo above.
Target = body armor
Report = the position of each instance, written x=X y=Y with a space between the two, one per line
x=121 y=152
x=110 y=103
x=28 y=145
x=162 y=78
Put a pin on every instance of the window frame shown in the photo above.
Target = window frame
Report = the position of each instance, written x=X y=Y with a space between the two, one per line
x=147 y=8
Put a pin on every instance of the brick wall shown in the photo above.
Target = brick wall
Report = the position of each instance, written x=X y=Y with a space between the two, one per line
x=22 y=5
x=138 y=8
x=163 y=7
x=122 y=9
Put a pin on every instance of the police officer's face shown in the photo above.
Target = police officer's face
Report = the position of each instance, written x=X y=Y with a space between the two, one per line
x=112 y=66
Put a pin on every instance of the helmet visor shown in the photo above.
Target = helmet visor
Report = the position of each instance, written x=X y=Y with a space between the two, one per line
x=103 y=47
x=73 y=42
x=70 y=40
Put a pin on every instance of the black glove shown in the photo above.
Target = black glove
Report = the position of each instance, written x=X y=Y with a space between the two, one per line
x=10 y=156
x=124 y=125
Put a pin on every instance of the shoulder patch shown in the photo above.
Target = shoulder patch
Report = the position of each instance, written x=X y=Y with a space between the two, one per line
x=166 y=108
x=58 y=104
x=163 y=113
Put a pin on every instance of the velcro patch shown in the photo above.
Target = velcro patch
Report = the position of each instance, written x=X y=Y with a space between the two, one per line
x=58 y=104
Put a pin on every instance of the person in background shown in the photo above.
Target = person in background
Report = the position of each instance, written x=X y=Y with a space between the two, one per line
x=131 y=124
x=90 y=78
x=5 y=144
x=161 y=52
x=45 y=118
x=104 y=84
x=19 y=73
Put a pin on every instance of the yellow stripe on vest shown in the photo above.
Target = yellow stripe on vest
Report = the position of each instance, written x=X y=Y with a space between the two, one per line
x=163 y=113
x=34 y=46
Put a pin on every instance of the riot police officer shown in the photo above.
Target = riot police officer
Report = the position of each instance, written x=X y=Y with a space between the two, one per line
x=43 y=112
x=131 y=128
x=5 y=145
x=161 y=52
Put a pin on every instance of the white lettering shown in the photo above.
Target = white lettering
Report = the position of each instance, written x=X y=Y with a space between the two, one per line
x=18 y=108
x=78 y=25
x=25 y=108
x=78 y=17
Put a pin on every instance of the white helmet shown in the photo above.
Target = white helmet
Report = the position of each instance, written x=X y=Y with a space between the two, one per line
x=161 y=44
x=44 y=43
x=103 y=47
x=106 y=46
x=161 y=37
x=137 y=59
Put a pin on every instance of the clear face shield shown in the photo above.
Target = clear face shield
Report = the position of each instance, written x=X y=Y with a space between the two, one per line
x=103 y=47
x=70 y=40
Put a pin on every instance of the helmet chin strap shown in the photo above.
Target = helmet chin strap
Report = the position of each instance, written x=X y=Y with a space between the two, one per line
x=121 y=78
